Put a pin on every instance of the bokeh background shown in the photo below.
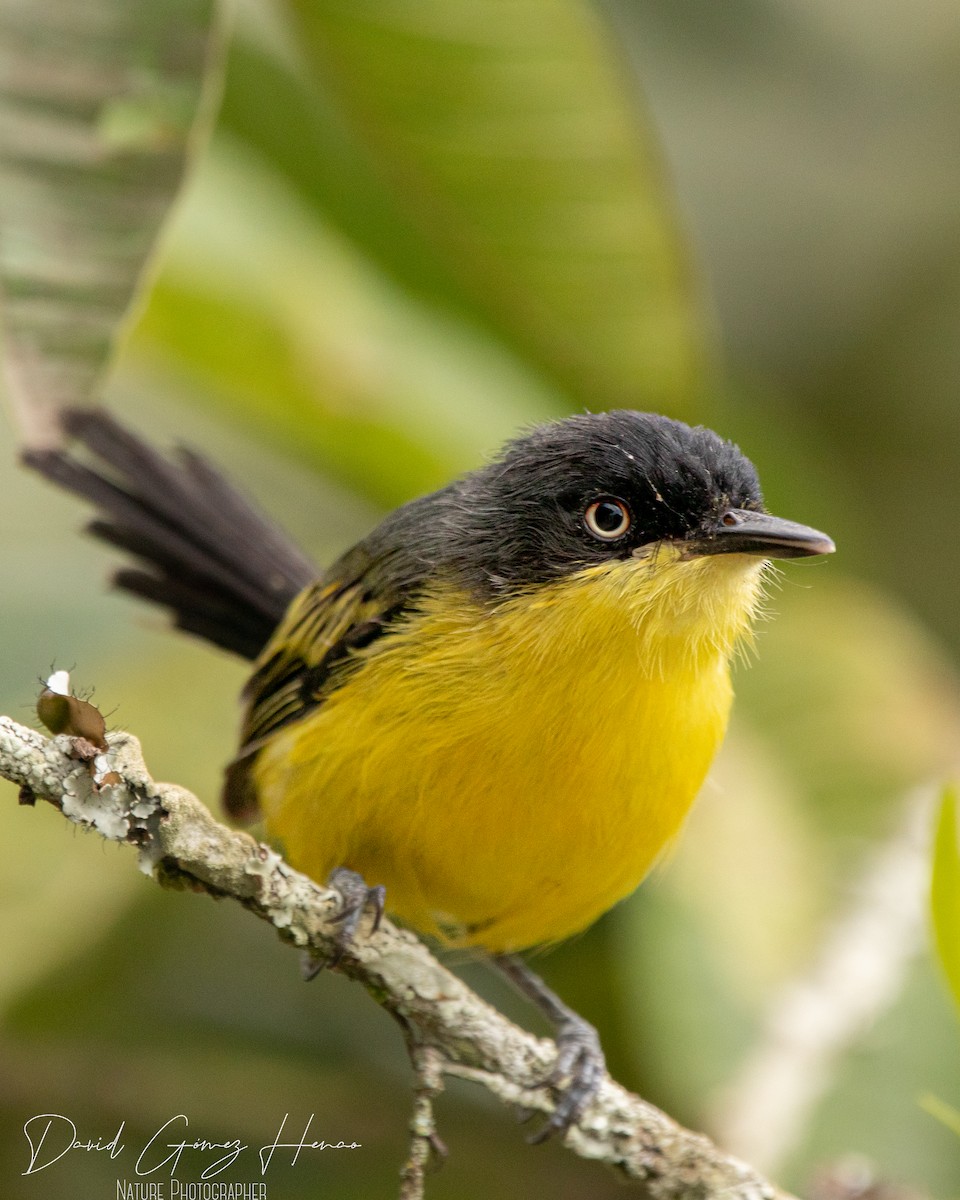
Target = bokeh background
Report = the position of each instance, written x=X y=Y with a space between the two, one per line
x=396 y=249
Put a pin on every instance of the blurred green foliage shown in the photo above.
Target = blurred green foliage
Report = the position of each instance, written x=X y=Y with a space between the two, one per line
x=945 y=890
x=98 y=105
x=417 y=228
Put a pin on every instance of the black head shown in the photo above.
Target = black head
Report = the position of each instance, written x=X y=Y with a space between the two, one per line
x=592 y=488
x=588 y=490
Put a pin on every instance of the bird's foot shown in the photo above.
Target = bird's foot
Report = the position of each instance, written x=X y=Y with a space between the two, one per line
x=575 y=1077
x=358 y=899
x=580 y=1066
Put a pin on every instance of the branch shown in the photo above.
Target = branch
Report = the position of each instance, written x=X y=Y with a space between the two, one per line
x=449 y=1030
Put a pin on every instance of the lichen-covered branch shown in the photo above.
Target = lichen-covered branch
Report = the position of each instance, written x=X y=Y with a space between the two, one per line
x=180 y=843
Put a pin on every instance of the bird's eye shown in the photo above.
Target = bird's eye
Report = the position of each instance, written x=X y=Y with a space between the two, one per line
x=607 y=519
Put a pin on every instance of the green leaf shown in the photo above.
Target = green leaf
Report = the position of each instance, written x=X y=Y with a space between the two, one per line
x=945 y=890
x=515 y=139
x=294 y=125
x=284 y=330
x=98 y=103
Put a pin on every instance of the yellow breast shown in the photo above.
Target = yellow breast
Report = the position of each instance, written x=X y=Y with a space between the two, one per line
x=511 y=772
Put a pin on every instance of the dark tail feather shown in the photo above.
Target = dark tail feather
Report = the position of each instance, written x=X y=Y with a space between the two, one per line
x=223 y=569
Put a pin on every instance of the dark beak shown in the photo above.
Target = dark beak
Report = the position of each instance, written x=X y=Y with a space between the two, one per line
x=740 y=531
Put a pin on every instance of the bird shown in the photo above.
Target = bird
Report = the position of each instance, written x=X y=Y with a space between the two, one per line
x=491 y=716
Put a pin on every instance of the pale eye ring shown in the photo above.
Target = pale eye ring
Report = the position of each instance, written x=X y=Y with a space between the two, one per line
x=607 y=518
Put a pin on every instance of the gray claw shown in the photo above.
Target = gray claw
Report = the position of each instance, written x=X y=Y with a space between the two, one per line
x=576 y=1075
x=357 y=899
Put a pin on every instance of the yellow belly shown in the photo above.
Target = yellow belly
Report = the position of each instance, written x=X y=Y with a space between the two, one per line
x=508 y=775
